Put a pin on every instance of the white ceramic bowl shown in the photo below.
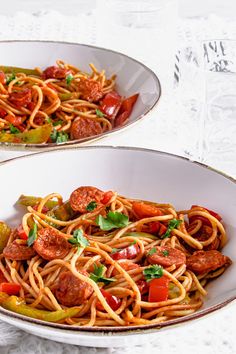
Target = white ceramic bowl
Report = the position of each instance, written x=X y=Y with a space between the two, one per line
x=137 y=173
x=132 y=76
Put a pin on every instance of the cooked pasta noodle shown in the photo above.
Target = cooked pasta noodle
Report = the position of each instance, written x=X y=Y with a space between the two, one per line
x=116 y=261
x=67 y=102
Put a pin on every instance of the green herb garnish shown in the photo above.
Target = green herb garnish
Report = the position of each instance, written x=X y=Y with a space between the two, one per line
x=48 y=120
x=69 y=78
x=13 y=129
x=153 y=272
x=10 y=78
x=152 y=251
x=99 y=113
x=133 y=243
x=78 y=239
x=58 y=137
x=114 y=220
x=58 y=122
x=114 y=250
x=91 y=206
x=96 y=276
x=32 y=235
x=172 y=224
x=165 y=253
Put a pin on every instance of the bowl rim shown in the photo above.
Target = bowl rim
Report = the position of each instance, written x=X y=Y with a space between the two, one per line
x=106 y=330
x=87 y=140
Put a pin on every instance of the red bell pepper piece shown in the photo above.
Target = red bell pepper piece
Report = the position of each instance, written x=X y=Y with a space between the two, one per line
x=3 y=113
x=15 y=120
x=143 y=210
x=202 y=218
x=130 y=252
x=158 y=289
x=112 y=300
x=125 y=109
x=2 y=78
x=110 y=104
x=10 y=288
x=107 y=196
x=21 y=232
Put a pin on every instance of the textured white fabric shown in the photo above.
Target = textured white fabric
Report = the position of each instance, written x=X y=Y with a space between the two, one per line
x=174 y=128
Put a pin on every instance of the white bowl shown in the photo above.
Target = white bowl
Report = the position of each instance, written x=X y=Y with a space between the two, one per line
x=132 y=76
x=133 y=172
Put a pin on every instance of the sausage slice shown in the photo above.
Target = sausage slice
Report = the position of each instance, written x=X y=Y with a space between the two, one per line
x=49 y=244
x=82 y=196
x=90 y=90
x=166 y=256
x=83 y=127
x=18 y=251
x=70 y=290
x=205 y=261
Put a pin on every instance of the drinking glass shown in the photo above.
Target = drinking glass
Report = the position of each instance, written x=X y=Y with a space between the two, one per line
x=207 y=91
x=145 y=30
x=219 y=126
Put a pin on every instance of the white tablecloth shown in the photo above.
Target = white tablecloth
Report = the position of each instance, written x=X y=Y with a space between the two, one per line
x=170 y=129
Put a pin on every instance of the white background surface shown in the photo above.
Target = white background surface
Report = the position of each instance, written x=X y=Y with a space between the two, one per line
x=216 y=334
x=187 y=8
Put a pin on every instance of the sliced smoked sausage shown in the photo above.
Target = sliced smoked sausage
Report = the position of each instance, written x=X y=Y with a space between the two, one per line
x=70 y=290
x=82 y=196
x=205 y=261
x=90 y=90
x=50 y=244
x=166 y=256
x=18 y=252
x=83 y=127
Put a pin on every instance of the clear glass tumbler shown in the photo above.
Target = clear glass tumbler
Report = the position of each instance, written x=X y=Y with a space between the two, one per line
x=219 y=125
x=207 y=98
x=143 y=29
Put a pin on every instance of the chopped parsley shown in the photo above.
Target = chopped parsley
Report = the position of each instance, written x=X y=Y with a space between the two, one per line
x=58 y=122
x=13 y=129
x=152 y=251
x=172 y=224
x=165 y=253
x=114 y=220
x=32 y=235
x=114 y=250
x=91 y=206
x=48 y=120
x=69 y=78
x=78 y=239
x=99 y=113
x=58 y=137
x=133 y=243
x=97 y=275
x=10 y=78
x=153 y=272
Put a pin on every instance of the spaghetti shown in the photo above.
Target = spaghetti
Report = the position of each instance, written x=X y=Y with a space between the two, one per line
x=101 y=259
x=58 y=104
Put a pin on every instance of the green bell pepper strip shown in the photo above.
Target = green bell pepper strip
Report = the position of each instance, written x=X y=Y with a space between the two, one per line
x=14 y=69
x=5 y=231
x=17 y=305
x=140 y=234
x=35 y=136
x=28 y=200
x=62 y=212
x=65 y=96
